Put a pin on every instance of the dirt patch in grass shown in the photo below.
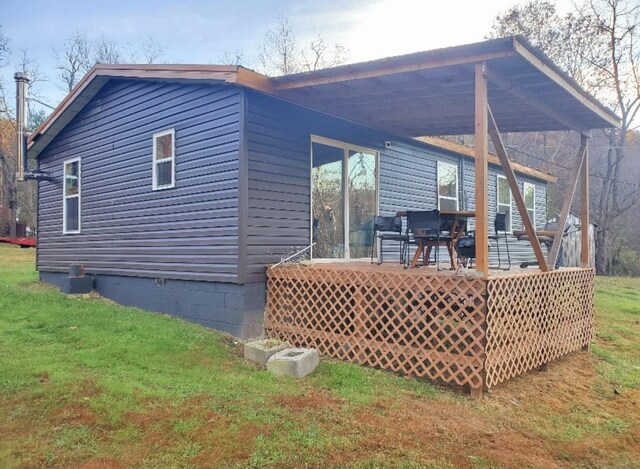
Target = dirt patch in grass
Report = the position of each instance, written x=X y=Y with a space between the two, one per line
x=445 y=431
x=101 y=463
x=77 y=414
x=312 y=399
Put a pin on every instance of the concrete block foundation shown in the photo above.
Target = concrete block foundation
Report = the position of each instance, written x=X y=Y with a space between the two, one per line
x=228 y=307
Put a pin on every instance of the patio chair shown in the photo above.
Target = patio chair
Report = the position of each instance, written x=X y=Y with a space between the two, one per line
x=426 y=226
x=545 y=237
x=500 y=225
x=389 y=229
x=466 y=249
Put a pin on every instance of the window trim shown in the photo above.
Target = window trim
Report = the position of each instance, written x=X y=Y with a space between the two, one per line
x=345 y=147
x=524 y=198
x=172 y=158
x=65 y=196
x=498 y=204
x=438 y=196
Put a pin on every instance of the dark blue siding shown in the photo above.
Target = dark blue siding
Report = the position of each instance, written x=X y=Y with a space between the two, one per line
x=189 y=232
x=278 y=150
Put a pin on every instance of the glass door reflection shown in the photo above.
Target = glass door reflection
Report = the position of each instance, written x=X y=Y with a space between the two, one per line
x=344 y=200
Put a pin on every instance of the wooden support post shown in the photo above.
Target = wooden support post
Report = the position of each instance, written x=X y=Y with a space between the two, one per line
x=515 y=192
x=476 y=392
x=568 y=199
x=585 y=255
x=482 y=155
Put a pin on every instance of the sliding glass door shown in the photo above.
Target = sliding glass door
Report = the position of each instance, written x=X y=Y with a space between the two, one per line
x=344 y=199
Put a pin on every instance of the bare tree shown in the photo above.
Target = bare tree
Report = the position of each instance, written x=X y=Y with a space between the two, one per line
x=231 y=57
x=148 y=51
x=280 y=54
x=106 y=51
x=74 y=61
x=4 y=56
x=80 y=54
x=598 y=45
x=322 y=55
x=618 y=70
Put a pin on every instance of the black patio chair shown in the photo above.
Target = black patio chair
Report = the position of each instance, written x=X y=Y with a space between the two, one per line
x=426 y=226
x=388 y=229
x=500 y=225
x=466 y=249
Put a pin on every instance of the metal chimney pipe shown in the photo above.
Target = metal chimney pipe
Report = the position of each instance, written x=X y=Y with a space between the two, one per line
x=22 y=87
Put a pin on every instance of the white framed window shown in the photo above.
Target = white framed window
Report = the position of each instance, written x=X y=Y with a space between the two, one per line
x=71 y=196
x=164 y=167
x=447 y=174
x=529 y=194
x=503 y=198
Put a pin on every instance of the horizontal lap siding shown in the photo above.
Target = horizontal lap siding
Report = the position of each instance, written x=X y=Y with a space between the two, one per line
x=278 y=146
x=189 y=232
x=520 y=251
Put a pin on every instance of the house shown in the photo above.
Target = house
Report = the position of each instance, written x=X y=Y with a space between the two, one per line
x=178 y=185
x=147 y=193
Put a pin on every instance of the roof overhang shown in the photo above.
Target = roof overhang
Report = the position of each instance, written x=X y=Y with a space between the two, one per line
x=432 y=93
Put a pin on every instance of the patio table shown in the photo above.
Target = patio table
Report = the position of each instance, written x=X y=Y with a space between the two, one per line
x=458 y=227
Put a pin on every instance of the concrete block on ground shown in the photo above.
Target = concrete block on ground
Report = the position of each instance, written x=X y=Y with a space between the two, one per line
x=77 y=285
x=260 y=351
x=296 y=362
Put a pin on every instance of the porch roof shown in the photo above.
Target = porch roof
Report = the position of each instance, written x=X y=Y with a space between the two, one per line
x=432 y=93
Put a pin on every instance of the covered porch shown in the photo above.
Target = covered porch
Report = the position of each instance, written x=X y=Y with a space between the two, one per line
x=475 y=329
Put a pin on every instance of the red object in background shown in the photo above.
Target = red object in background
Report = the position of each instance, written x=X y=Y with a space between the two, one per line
x=22 y=242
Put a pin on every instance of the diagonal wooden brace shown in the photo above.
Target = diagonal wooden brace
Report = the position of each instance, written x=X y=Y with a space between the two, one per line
x=568 y=199
x=515 y=191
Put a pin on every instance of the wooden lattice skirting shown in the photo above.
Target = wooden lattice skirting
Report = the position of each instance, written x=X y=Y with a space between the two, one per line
x=467 y=331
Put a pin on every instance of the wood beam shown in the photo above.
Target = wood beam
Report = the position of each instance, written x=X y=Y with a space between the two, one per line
x=515 y=192
x=585 y=223
x=379 y=92
x=568 y=199
x=348 y=73
x=481 y=168
x=513 y=88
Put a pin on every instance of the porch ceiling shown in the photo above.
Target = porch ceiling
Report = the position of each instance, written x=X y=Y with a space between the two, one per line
x=432 y=93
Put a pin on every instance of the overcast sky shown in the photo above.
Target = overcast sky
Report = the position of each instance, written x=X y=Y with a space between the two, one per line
x=200 y=31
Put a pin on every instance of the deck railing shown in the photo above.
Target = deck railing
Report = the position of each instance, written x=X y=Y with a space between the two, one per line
x=467 y=331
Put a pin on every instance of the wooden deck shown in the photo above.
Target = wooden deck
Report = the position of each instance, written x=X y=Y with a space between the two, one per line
x=431 y=270
x=462 y=329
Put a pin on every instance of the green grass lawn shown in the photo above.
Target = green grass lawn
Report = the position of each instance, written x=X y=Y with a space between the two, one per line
x=87 y=383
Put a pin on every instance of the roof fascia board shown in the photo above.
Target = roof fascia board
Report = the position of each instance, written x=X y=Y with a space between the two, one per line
x=493 y=159
x=391 y=70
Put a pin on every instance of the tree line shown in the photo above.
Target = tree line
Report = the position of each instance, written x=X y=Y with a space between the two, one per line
x=598 y=45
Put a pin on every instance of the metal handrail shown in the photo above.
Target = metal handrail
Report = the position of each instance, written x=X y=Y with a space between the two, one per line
x=295 y=254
